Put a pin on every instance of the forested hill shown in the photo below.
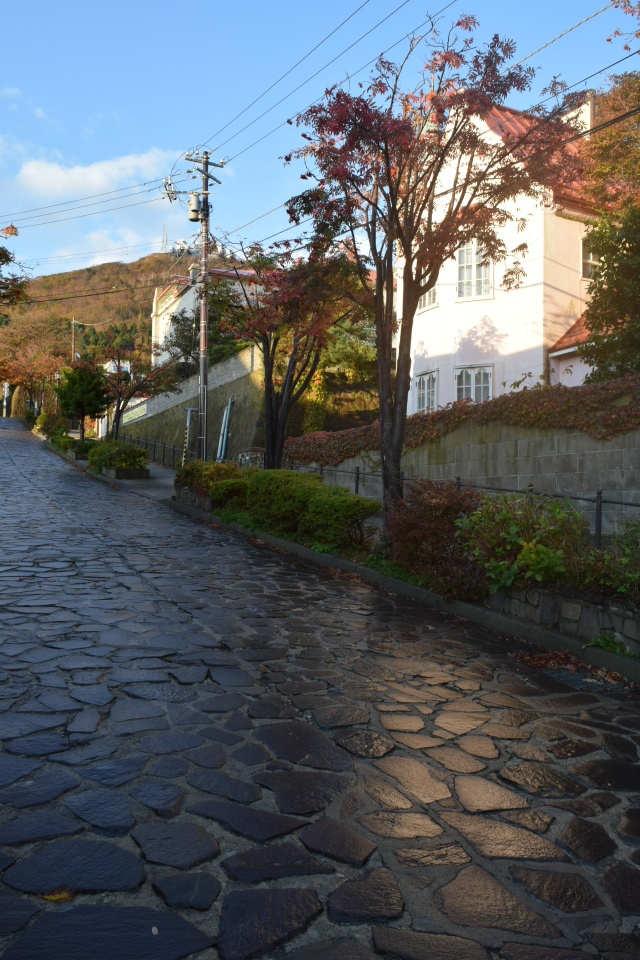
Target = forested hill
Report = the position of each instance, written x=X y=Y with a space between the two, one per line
x=117 y=291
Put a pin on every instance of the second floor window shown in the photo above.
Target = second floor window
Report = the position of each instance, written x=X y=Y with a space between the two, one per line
x=474 y=272
x=428 y=299
x=426 y=385
x=473 y=383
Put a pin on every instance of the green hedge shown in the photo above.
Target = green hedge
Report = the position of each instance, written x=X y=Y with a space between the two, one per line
x=108 y=454
x=230 y=493
x=62 y=442
x=287 y=503
x=200 y=476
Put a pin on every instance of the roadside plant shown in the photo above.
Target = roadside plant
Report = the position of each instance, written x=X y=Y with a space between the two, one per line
x=422 y=538
x=516 y=538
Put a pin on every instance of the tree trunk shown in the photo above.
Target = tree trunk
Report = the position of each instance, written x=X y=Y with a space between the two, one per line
x=82 y=428
x=394 y=384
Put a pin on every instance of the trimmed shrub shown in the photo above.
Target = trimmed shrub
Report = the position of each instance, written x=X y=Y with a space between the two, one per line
x=200 y=476
x=83 y=447
x=50 y=424
x=230 y=493
x=423 y=538
x=334 y=517
x=277 y=498
x=287 y=503
x=107 y=454
x=19 y=403
x=62 y=442
x=516 y=538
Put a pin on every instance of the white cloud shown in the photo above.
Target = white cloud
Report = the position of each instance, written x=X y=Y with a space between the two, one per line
x=45 y=179
x=39 y=113
x=10 y=92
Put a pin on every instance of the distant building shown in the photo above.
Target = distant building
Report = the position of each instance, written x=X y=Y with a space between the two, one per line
x=183 y=294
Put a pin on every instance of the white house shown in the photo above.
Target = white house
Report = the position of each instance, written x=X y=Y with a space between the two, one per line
x=183 y=294
x=472 y=339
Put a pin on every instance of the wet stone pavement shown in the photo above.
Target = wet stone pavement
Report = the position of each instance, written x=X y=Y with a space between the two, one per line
x=211 y=750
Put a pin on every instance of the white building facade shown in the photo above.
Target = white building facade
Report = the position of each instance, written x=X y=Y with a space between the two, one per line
x=473 y=339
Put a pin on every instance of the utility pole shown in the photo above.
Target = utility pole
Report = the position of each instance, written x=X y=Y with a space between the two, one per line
x=199 y=211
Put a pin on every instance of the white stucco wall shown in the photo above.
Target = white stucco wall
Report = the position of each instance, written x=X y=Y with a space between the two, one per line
x=508 y=331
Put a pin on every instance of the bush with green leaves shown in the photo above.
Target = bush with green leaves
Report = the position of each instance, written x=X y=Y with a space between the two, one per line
x=604 y=572
x=199 y=475
x=300 y=505
x=63 y=442
x=50 y=424
x=83 y=447
x=517 y=538
x=230 y=493
x=109 y=454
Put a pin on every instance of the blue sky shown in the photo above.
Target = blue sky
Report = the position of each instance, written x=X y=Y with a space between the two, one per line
x=98 y=98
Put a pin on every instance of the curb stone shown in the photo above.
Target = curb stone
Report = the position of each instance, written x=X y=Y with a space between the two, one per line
x=531 y=633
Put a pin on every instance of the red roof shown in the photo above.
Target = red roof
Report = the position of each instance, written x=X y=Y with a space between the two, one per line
x=575 y=335
x=506 y=121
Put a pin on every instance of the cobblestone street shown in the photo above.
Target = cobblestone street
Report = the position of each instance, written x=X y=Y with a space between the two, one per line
x=213 y=750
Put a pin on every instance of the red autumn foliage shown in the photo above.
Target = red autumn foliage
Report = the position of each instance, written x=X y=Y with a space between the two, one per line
x=595 y=409
x=404 y=178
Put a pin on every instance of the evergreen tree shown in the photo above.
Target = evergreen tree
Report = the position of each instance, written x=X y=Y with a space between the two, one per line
x=83 y=393
x=613 y=313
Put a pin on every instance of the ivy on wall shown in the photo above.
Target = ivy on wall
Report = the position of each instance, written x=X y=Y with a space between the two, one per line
x=602 y=410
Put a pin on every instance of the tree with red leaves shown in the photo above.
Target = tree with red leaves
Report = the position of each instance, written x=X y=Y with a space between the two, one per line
x=404 y=178
x=291 y=309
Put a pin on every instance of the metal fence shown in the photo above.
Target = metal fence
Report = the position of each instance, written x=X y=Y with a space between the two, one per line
x=370 y=484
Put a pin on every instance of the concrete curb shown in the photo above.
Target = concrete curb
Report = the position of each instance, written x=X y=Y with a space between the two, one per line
x=531 y=633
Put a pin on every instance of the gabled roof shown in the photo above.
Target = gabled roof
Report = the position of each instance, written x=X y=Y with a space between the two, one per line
x=574 y=336
x=506 y=121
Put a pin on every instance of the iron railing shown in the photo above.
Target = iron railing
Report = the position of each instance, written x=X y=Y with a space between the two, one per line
x=171 y=456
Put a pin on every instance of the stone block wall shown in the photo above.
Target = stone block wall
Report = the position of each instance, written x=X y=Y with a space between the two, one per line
x=497 y=455
x=240 y=377
x=576 y=617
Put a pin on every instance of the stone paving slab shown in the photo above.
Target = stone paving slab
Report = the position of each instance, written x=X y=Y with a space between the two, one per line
x=210 y=750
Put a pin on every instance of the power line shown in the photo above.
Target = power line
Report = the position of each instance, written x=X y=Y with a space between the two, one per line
x=564 y=34
x=133 y=186
x=286 y=74
x=45 y=223
x=314 y=75
x=548 y=44
x=93 y=293
x=413 y=32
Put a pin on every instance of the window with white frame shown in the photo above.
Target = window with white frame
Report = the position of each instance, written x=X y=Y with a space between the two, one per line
x=428 y=299
x=426 y=391
x=474 y=271
x=589 y=260
x=473 y=383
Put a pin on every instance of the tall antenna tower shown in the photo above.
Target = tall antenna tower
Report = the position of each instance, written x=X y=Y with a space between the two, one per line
x=163 y=245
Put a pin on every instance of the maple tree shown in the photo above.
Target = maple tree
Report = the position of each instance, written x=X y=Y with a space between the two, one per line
x=31 y=367
x=291 y=310
x=404 y=178
x=126 y=355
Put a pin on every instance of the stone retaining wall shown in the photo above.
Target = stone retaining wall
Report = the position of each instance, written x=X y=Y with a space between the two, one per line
x=574 y=616
x=498 y=455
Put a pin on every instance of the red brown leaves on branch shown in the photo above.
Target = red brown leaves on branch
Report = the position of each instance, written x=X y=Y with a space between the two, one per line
x=405 y=177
